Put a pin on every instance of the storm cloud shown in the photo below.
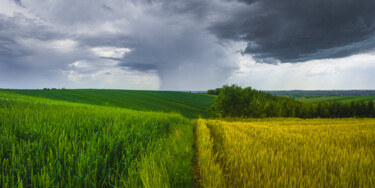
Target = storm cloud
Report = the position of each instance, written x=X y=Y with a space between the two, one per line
x=169 y=38
x=297 y=31
x=190 y=44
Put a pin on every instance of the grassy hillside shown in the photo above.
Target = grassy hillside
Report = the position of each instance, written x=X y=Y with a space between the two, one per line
x=50 y=143
x=190 y=105
x=323 y=98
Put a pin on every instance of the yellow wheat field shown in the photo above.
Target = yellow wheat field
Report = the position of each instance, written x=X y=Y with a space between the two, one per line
x=286 y=152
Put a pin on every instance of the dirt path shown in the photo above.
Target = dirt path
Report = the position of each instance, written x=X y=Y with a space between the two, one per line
x=197 y=180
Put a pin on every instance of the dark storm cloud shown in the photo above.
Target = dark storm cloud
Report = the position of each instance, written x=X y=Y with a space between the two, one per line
x=9 y=48
x=170 y=38
x=189 y=44
x=295 y=30
x=18 y=28
x=28 y=55
x=19 y=3
x=166 y=37
x=182 y=54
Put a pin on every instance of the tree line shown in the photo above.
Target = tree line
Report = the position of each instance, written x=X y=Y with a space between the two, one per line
x=234 y=101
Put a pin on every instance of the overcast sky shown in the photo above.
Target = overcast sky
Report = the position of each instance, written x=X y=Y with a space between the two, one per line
x=187 y=44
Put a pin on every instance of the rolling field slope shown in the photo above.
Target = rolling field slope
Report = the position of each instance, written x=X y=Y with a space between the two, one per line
x=51 y=143
x=190 y=105
x=313 y=96
x=322 y=98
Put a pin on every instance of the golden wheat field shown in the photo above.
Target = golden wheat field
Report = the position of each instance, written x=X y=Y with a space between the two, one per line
x=286 y=152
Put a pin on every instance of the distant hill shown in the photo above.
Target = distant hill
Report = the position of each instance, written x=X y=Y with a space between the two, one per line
x=327 y=95
x=323 y=92
x=190 y=105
